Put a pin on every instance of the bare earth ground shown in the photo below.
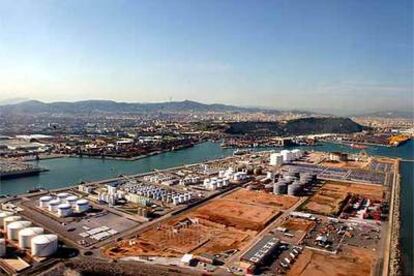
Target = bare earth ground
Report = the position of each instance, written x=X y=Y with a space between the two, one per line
x=351 y=261
x=262 y=198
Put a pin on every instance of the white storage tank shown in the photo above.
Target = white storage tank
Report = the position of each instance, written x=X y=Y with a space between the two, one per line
x=64 y=210
x=213 y=185
x=82 y=205
x=2 y=248
x=72 y=200
x=14 y=227
x=287 y=155
x=221 y=173
x=62 y=196
x=26 y=235
x=53 y=205
x=9 y=220
x=270 y=175
x=226 y=181
x=44 y=201
x=3 y=215
x=44 y=245
x=276 y=159
x=176 y=200
x=297 y=153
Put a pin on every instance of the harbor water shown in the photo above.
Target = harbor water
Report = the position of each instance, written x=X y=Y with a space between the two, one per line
x=64 y=172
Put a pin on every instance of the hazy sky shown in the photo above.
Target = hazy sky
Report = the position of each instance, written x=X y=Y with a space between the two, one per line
x=348 y=55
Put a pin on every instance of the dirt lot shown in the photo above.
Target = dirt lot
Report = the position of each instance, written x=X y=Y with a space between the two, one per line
x=236 y=214
x=351 y=261
x=332 y=196
x=263 y=199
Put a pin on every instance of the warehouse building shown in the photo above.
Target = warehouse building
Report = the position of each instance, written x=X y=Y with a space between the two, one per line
x=259 y=253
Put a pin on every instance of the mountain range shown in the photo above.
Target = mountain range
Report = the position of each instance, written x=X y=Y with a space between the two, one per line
x=19 y=105
x=103 y=106
x=389 y=114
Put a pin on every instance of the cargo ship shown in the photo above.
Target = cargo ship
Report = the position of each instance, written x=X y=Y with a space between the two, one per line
x=18 y=169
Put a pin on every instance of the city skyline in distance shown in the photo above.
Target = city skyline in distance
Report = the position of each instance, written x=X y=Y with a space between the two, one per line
x=340 y=57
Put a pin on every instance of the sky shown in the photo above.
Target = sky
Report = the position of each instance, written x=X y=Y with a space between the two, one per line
x=332 y=55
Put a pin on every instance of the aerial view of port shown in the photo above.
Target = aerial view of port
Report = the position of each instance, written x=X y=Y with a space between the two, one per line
x=206 y=138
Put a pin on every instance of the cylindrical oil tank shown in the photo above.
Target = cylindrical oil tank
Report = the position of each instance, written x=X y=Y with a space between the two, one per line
x=240 y=167
x=2 y=247
x=9 y=220
x=26 y=235
x=280 y=188
x=288 y=177
x=269 y=175
x=3 y=215
x=257 y=171
x=303 y=183
x=62 y=196
x=44 y=245
x=226 y=181
x=14 y=227
x=53 y=204
x=250 y=169
x=64 y=209
x=296 y=182
x=72 y=200
x=304 y=176
x=82 y=205
x=44 y=201
x=294 y=189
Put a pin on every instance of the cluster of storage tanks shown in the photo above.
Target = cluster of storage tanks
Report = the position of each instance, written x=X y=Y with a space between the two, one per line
x=27 y=236
x=292 y=183
x=231 y=174
x=215 y=183
x=189 y=180
x=285 y=156
x=63 y=204
x=156 y=193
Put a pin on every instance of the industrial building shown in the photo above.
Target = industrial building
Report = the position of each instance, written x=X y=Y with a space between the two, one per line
x=261 y=250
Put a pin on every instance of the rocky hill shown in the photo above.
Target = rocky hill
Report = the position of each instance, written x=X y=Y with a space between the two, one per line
x=296 y=127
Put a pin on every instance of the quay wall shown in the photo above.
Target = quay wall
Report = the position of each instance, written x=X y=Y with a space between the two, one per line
x=392 y=260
